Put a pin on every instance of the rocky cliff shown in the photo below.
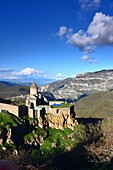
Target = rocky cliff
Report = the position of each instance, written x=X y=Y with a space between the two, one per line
x=82 y=84
x=58 y=122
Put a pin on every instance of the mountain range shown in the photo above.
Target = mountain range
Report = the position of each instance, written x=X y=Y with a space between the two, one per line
x=70 y=88
x=81 y=85
x=27 y=82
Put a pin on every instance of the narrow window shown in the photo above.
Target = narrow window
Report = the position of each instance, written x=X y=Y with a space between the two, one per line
x=57 y=111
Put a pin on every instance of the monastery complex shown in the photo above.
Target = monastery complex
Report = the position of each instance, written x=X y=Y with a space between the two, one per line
x=38 y=107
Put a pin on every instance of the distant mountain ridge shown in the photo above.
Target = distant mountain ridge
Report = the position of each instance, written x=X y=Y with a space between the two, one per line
x=10 y=83
x=8 y=90
x=69 y=88
x=27 y=82
x=87 y=83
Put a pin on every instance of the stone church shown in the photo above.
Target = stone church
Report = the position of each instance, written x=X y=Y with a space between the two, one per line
x=41 y=109
x=35 y=98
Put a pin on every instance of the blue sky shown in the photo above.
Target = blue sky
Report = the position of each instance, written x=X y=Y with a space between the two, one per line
x=55 y=38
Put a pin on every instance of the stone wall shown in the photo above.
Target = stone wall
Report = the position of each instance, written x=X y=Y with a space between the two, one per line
x=58 y=111
x=10 y=108
x=55 y=111
x=16 y=110
x=30 y=112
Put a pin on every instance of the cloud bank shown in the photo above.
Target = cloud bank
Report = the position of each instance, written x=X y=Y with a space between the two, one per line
x=5 y=70
x=27 y=74
x=23 y=74
x=28 y=71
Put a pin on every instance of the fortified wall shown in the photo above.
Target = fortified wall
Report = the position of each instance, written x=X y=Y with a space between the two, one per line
x=16 y=110
x=10 y=108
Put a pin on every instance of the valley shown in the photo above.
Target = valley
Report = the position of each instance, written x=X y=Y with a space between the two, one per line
x=60 y=141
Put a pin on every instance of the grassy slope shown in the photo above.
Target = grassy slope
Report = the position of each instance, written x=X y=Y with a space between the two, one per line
x=8 y=119
x=99 y=105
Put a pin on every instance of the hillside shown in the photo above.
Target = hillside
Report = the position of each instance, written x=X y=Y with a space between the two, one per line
x=11 y=91
x=8 y=90
x=28 y=144
x=82 y=84
x=25 y=144
x=8 y=119
x=98 y=105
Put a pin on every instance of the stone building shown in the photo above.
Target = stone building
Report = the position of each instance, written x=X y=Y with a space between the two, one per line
x=37 y=106
x=35 y=98
x=36 y=102
x=18 y=111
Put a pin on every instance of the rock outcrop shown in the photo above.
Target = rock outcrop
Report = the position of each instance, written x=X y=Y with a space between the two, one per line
x=5 y=136
x=58 y=121
x=61 y=122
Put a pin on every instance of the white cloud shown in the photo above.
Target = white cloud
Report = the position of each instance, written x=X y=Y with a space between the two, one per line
x=6 y=73
x=59 y=76
x=101 y=29
x=93 y=60
x=90 y=60
x=98 y=34
x=25 y=73
x=89 y=4
x=28 y=71
x=5 y=70
x=73 y=76
x=62 y=31
x=70 y=30
x=85 y=57
x=82 y=40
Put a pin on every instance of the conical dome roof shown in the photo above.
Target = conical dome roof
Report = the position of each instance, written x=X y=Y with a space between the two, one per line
x=34 y=85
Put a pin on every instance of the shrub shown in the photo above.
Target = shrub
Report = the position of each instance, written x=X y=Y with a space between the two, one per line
x=100 y=146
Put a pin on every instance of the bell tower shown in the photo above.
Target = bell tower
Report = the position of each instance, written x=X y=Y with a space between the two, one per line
x=34 y=89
